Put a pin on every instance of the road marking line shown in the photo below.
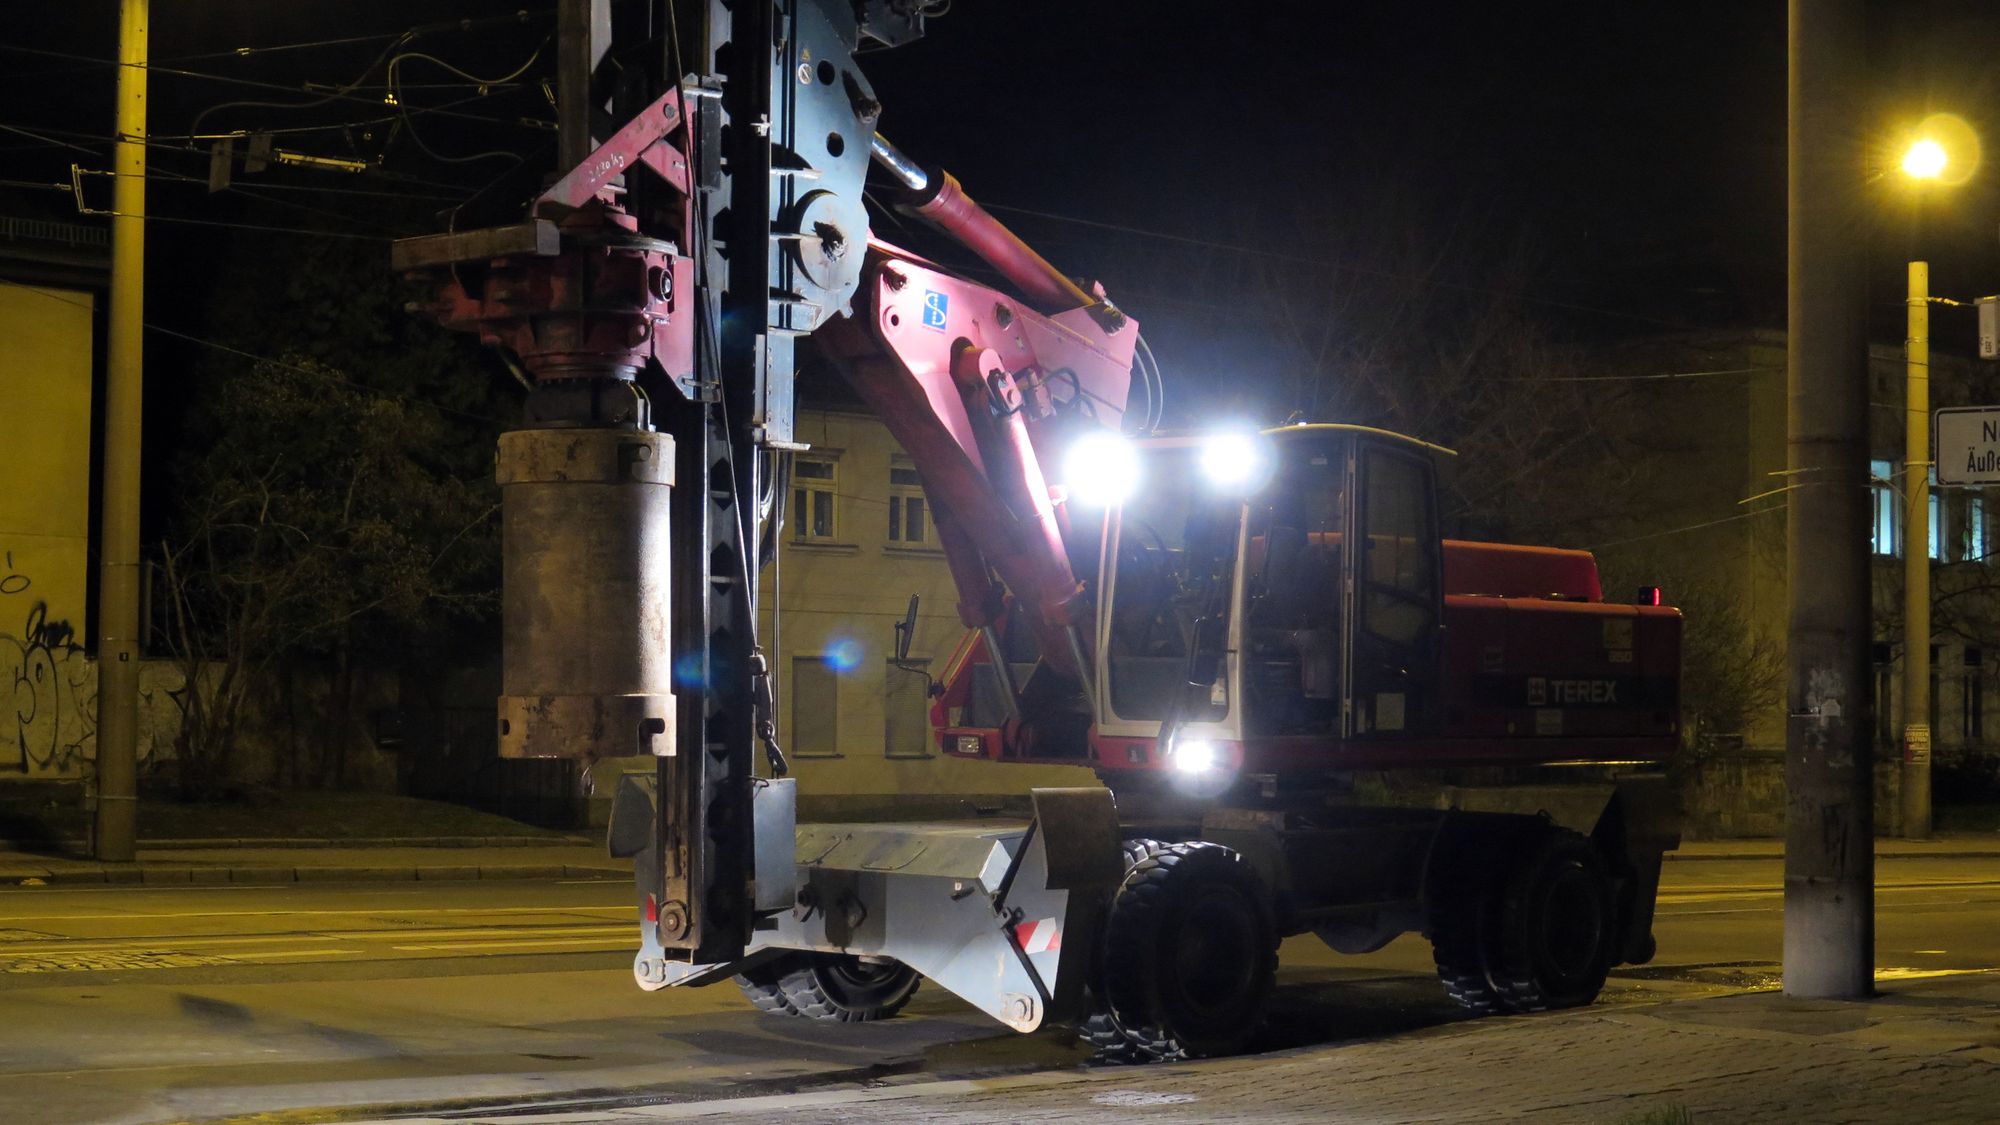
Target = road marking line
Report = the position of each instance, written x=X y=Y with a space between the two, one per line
x=81 y=945
x=607 y=941
x=382 y=911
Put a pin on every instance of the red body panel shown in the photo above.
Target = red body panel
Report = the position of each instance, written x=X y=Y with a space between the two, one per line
x=1523 y=680
x=1509 y=570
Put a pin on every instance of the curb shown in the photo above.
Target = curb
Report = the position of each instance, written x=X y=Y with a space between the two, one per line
x=220 y=842
x=1928 y=853
x=182 y=874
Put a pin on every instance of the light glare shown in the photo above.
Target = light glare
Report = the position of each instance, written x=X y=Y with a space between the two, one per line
x=1232 y=460
x=1196 y=755
x=1926 y=160
x=1102 y=470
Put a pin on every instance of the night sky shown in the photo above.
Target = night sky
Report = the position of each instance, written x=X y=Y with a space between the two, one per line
x=1617 y=166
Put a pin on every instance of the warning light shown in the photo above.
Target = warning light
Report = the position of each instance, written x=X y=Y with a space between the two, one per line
x=1649 y=595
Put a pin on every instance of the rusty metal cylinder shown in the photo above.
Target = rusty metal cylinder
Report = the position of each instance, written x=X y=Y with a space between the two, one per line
x=586 y=654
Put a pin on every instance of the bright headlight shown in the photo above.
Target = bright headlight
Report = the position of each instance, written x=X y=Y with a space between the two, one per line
x=1102 y=469
x=1236 y=462
x=1194 y=755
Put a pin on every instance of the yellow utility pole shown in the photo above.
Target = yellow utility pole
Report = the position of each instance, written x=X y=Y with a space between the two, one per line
x=1917 y=561
x=116 y=828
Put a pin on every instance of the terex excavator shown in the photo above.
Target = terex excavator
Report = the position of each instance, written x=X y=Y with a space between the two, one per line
x=1229 y=627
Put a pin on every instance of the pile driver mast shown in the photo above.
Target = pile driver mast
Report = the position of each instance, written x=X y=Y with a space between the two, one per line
x=655 y=295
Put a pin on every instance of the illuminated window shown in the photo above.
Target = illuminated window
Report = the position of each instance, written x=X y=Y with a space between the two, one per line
x=1973 y=534
x=813 y=490
x=815 y=688
x=1937 y=518
x=906 y=728
x=1883 y=492
x=909 y=516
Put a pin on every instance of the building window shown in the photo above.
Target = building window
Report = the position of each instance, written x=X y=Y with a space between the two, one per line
x=1937 y=519
x=815 y=729
x=1972 y=694
x=909 y=515
x=1973 y=535
x=1882 y=490
x=906 y=728
x=813 y=489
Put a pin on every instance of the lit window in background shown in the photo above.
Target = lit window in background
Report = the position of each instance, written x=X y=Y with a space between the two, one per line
x=1883 y=493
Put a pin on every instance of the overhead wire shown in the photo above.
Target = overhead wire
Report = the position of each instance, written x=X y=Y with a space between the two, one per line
x=409 y=126
x=1300 y=259
x=247 y=82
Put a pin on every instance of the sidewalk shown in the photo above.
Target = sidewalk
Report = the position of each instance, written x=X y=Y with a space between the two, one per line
x=1957 y=845
x=292 y=861
x=1928 y=1050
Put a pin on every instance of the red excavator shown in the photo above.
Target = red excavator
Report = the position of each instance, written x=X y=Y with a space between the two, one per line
x=1310 y=712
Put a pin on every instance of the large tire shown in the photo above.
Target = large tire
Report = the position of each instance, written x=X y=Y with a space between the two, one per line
x=1191 y=951
x=1460 y=909
x=762 y=987
x=1100 y=1031
x=840 y=988
x=1554 y=927
x=1461 y=963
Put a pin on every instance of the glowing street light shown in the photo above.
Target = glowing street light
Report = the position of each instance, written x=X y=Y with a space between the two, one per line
x=1943 y=149
x=1926 y=160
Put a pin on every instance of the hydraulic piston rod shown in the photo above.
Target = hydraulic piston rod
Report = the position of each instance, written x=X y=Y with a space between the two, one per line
x=936 y=197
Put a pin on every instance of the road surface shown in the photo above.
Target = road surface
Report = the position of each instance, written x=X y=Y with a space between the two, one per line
x=152 y=1004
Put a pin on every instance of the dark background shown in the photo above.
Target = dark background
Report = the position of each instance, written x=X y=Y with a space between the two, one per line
x=1617 y=167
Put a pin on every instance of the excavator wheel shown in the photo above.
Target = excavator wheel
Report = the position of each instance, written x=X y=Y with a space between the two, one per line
x=841 y=988
x=1191 y=950
x=1100 y=1031
x=1460 y=910
x=1553 y=933
x=760 y=986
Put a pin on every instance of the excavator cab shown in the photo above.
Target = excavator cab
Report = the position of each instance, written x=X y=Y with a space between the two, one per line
x=1281 y=587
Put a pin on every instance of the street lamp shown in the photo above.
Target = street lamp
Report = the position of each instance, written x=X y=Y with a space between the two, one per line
x=1945 y=150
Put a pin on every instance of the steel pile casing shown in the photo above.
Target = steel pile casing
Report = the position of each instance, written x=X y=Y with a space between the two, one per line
x=587 y=661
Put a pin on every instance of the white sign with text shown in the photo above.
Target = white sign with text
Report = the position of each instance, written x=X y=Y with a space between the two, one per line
x=1965 y=442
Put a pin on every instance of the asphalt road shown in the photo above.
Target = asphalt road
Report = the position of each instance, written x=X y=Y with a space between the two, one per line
x=150 y=1004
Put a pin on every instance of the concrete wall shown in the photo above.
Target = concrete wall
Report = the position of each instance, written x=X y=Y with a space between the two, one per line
x=46 y=686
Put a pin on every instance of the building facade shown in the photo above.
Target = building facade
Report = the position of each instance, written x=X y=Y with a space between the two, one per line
x=858 y=542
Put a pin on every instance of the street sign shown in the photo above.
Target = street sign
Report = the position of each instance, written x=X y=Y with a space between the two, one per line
x=1989 y=327
x=1965 y=440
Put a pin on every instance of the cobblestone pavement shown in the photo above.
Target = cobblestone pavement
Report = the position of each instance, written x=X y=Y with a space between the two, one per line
x=1928 y=1050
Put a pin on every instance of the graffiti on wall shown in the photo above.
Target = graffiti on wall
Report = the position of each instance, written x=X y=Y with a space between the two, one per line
x=49 y=723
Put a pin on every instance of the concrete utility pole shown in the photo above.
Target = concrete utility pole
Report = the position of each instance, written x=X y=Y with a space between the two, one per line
x=1917 y=561
x=1829 y=831
x=116 y=828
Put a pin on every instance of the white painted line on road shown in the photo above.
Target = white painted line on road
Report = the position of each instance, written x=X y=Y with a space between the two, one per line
x=80 y=945
x=619 y=942
x=380 y=911
x=298 y=953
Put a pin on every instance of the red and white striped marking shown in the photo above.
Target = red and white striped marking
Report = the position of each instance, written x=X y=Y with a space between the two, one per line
x=1044 y=936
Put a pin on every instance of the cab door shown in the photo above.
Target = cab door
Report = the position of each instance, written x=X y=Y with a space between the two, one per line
x=1397 y=590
